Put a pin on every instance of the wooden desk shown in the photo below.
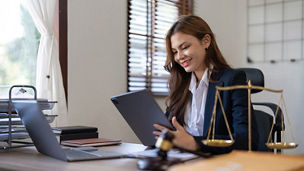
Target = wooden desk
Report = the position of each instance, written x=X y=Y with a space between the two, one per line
x=245 y=161
x=28 y=159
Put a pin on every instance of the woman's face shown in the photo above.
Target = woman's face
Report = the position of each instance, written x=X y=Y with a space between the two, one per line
x=189 y=51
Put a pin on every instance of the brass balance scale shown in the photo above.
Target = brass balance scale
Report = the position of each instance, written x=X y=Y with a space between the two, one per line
x=225 y=143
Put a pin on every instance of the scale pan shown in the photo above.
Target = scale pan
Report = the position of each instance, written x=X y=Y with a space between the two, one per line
x=218 y=143
x=281 y=145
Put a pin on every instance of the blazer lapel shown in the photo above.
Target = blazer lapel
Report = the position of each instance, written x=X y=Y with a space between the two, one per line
x=210 y=104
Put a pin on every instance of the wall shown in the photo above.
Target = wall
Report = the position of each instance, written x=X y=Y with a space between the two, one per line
x=97 y=35
x=228 y=21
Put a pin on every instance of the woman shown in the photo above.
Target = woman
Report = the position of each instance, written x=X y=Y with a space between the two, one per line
x=196 y=67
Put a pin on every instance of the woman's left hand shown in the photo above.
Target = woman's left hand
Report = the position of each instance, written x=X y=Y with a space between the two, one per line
x=181 y=139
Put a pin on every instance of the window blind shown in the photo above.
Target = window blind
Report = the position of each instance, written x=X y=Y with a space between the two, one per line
x=148 y=23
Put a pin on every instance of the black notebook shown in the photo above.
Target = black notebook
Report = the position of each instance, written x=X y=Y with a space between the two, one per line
x=74 y=129
x=76 y=136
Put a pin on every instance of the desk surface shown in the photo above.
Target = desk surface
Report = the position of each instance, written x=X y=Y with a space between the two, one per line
x=29 y=159
x=246 y=161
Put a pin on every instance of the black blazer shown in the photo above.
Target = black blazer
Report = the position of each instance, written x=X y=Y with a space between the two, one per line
x=235 y=103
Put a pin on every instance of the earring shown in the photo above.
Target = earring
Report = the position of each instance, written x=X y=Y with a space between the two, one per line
x=206 y=49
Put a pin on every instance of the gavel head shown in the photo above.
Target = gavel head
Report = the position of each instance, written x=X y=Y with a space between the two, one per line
x=164 y=143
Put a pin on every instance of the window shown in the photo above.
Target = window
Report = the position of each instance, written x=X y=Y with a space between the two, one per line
x=275 y=30
x=149 y=21
x=19 y=41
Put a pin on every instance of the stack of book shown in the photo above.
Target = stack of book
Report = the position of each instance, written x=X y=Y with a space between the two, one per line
x=91 y=142
x=75 y=132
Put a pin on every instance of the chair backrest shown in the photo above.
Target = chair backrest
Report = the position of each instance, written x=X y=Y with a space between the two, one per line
x=263 y=125
x=262 y=121
x=256 y=77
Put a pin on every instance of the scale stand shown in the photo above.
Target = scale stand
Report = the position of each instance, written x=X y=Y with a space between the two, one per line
x=225 y=143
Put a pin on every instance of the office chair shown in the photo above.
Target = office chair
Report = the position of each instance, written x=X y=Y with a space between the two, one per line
x=262 y=120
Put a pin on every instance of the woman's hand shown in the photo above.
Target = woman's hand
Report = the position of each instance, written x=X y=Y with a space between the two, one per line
x=181 y=137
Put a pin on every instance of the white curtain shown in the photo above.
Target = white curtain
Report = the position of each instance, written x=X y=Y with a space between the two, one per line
x=49 y=82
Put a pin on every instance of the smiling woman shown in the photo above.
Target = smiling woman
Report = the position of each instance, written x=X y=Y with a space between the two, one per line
x=197 y=67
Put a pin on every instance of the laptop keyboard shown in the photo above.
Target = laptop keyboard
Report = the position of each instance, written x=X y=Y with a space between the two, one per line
x=76 y=154
x=73 y=154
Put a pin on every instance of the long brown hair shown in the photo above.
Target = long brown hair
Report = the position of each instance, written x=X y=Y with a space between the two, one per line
x=179 y=79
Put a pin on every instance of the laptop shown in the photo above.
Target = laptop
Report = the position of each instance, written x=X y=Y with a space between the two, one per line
x=45 y=141
x=140 y=111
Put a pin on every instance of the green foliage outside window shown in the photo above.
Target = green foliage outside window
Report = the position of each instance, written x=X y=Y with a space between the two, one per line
x=18 y=57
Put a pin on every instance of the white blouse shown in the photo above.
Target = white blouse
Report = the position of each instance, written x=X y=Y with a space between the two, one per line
x=195 y=109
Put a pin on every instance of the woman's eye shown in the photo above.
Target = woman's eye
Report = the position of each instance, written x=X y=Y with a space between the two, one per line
x=185 y=47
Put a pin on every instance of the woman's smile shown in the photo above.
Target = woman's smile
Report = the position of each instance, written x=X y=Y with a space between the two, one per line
x=186 y=63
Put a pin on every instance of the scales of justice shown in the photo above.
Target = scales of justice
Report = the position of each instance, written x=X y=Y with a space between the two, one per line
x=211 y=141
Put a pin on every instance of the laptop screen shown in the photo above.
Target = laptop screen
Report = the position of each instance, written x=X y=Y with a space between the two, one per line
x=38 y=128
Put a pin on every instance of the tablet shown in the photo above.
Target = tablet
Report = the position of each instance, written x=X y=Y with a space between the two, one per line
x=140 y=111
